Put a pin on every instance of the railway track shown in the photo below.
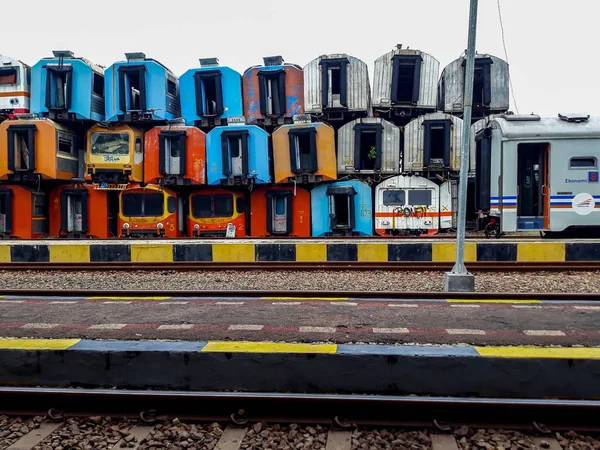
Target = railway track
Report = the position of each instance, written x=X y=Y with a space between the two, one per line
x=491 y=266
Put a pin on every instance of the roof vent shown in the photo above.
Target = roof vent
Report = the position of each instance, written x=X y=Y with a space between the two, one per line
x=577 y=118
x=62 y=53
x=521 y=117
x=209 y=62
x=273 y=60
x=136 y=56
x=302 y=118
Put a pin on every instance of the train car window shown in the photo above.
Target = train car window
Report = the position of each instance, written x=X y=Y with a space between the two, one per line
x=98 y=85
x=419 y=197
x=334 y=81
x=153 y=205
x=394 y=197
x=172 y=205
x=437 y=142
x=240 y=206
x=201 y=206
x=8 y=75
x=171 y=88
x=368 y=139
x=271 y=86
x=406 y=78
x=209 y=92
x=139 y=146
x=303 y=150
x=110 y=144
x=142 y=205
x=39 y=204
x=583 y=162
x=66 y=143
x=223 y=205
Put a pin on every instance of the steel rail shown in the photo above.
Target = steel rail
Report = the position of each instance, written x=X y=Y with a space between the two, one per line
x=488 y=266
x=341 y=410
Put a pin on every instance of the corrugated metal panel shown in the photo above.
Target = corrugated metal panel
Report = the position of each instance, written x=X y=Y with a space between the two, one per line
x=453 y=79
x=359 y=90
x=390 y=158
x=414 y=141
x=382 y=83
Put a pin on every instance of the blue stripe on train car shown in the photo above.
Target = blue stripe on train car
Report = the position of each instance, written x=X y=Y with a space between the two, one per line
x=237 y=155
x=227 y=95
x=83 y=98
x=342 y=208
x=140 y=89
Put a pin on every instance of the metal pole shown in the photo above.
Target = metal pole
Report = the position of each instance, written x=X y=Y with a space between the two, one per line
x=459 y=266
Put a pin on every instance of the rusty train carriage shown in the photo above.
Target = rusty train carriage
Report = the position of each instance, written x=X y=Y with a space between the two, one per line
x=23 y=212
x=280 y=211
x=215 y=212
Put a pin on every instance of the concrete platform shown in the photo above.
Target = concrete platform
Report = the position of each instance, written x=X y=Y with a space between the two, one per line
x=514 y=372
x=317 y=250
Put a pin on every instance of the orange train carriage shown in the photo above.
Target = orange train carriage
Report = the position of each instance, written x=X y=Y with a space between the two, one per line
x=280 y=211
x=150 y=211
x=23 y=212
x=175 y=155
x=38 y=148
x=79 y=211
x=210 y=211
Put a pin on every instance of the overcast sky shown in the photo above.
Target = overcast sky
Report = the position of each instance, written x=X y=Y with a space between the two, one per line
x=552 y=44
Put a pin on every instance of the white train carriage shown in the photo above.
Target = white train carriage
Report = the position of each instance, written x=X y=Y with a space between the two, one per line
x=15 y=82
x=539 y=173
x=414 y=205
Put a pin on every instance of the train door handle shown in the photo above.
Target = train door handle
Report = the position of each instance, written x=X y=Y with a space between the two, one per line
x=517 y=190
x=544 y=189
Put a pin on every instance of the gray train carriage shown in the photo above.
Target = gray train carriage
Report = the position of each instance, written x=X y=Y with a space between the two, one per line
x=539 y=173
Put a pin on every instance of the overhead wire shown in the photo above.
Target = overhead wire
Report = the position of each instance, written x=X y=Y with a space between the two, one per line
x=512 y=90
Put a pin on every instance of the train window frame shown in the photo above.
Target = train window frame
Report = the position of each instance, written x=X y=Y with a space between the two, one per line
x=205 y=78
x=240 y=205
x=275 y=79
x=213 y=201
x=97 y=152
x=98 y=84
x=171 y=205
x=38 y=204
x=328 y=66
x=412 y=192
x=68 y=139
x=368 y=129
x=171 y=87
x=594 y=164
x=139 y=145
x=413 y=64
x=402 y=191
x=142 y=212
x=15 y=70
x=305 y=135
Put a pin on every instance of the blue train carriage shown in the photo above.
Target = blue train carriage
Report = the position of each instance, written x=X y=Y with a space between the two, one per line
x=66 y=87
x=237 y=154
x=342 y=208
x=539 y=173
x=210 y=94
x=140 y=89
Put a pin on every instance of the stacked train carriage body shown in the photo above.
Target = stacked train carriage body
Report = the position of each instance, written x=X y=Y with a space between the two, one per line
x=368 y=146
x=413 y=205
x=432 y=143
x=342 y=208
x=280 y=211
x=475 y=129
x=336 y=87
x=38 y=149
x=304 y=152
x=140 y=89
x=150 y=211
x=210 y=94
x=67 y=88
x=540 y=173
x=80 y=211
x=23 y=212
x=216 y=212
x=15 y=81
x=175 y=155
x=490 y=87
x=405 y=85
x=237 y=155
x=273 y=93
x=114 y=155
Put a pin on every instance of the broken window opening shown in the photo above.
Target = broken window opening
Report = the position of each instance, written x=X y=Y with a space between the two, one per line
x=98 y=85
x=21 y=147
x=303 y=150
x=272 y=92
x=368 y=150
x=132 y=88
x=406 y=79
x=134 y=94
x=8 y=75
x=437 y=142
x=368 y=146
x=171 y=88
x=209 y=93
x=482 y=88
x=66 y=143
x=341 y=205
x=334 y=80
x=58 y=87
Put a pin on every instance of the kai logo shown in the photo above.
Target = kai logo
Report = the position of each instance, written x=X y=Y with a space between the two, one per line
x=583 y=204
x=111 y=158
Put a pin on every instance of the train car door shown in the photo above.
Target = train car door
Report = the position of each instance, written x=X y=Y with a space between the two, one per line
x=533 y=186
x=279 y=212
x=236 y=158
x=341 y=208
x=5 y=211
x=74 y=213
x=172 y=148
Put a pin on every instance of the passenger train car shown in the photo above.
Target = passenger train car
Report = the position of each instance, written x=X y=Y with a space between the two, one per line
x=175 y=155
x=140 y=89
x=23 y=212
x=15 y=81
x=65 y=87
x=342 y=208
x=405 y=84
x=538 y=173
x=304 y=152
x=273 y=92
x=114 y=155
x=368 y=146
x=280 y=211
x=210 y=94
x=150 y=211
x=414 y=205
x=216 y=213
x=38 y=149
x=80 y=211
x=336 y=87
x=237 y=155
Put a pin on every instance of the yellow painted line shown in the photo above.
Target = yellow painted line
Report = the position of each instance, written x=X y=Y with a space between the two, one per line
x=308 y=299
x=233 y=252
x=452 y=300
x=447 y=252
x=4 y=254
x=152 y=253
x=372 y=252
x=37 y=344
x=540 y=251
x=268 y=347
x=69 y=253
x=539 y=352
x=129 y=298
x=311 y=252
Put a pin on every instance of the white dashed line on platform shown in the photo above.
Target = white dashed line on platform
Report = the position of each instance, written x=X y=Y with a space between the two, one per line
x=183 y=326
x=317 y=330
x=544 y=333
x=391 y=330
x=465 y=331
x=245 y=327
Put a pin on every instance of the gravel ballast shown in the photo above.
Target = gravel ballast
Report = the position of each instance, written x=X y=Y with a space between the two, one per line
x=286 y=437
x=298 y=280
x=12 y=429
x=178 y=435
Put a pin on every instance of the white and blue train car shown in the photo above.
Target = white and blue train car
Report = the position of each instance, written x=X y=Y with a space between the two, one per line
x=65 y=87
x=539 y=173
x=140 y=89
x=342 y=208
x=15 y=82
